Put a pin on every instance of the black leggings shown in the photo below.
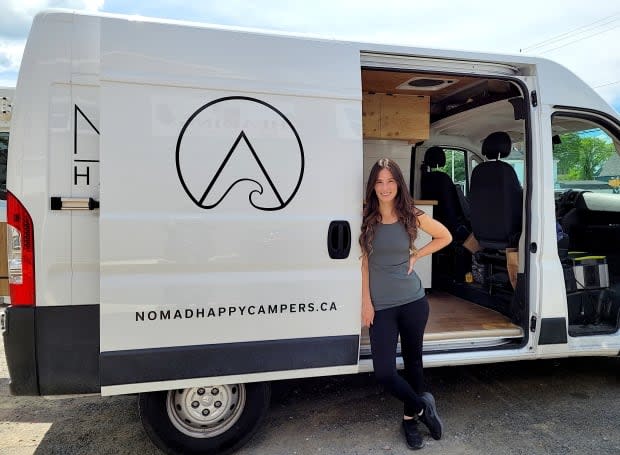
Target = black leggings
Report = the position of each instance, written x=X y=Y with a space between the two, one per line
x=409 y=320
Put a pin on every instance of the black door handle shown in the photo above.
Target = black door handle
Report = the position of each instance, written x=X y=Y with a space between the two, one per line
x=339 y=239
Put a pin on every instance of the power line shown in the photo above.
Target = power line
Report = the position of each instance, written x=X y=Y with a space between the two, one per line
x=579 y=39
x=609 y=83
x=585 y=28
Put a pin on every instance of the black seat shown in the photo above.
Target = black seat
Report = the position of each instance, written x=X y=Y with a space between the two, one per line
x=496 y=196
x=437 y=185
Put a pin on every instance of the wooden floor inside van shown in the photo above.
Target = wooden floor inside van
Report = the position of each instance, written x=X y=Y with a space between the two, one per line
x=453 y=319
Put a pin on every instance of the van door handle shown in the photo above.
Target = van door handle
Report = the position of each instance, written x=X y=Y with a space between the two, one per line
x=339 y=239
x=73 y=203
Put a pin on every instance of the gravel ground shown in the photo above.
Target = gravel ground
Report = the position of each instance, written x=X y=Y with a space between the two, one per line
x=543 y=407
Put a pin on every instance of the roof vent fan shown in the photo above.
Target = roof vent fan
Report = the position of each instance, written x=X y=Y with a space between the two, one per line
x=426 y=83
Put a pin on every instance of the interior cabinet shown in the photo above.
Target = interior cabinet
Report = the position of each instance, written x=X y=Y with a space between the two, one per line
x=404 y=117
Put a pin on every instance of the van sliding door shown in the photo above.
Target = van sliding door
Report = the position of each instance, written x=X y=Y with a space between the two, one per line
x=230 y=207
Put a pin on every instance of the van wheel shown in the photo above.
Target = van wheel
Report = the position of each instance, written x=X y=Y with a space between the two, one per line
x=215 y=419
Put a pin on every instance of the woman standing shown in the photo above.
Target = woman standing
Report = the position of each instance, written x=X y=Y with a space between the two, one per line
x=393 y=299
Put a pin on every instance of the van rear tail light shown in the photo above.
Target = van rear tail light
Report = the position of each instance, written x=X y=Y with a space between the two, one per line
x=20 y=249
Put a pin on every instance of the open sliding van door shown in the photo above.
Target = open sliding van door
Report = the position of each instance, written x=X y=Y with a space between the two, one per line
x=230 y=207
x=479 y=97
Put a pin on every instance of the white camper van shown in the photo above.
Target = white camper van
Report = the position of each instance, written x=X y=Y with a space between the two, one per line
x=185 y=201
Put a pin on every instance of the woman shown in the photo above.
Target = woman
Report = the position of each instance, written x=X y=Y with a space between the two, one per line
x=393 y=299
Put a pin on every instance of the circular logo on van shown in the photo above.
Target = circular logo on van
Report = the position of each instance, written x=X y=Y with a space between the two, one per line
x=236 y=150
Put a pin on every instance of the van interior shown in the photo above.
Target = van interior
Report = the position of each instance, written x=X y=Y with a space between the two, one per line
x=462 y=144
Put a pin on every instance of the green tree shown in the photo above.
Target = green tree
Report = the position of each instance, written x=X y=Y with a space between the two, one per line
x=581 y=157
x=459 y=165
x=566 y=153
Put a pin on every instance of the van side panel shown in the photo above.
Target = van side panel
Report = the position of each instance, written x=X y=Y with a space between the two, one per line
x=39 y=167
x=84 y=181
x=54 y=242
x=38 y=164
x=223 y=165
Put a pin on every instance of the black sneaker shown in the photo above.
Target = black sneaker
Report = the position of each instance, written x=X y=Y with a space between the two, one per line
x=412 y=435
x=429 y=417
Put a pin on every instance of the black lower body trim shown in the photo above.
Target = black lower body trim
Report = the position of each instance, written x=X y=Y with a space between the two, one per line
x=20 y=351
x=183 y=362
x=553 y=331
x=52 y=350
x=68 y=349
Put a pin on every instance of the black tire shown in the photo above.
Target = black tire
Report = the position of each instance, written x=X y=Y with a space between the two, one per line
x=159 y=427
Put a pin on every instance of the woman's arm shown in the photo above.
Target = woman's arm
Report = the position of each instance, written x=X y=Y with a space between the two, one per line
x=368 y=312
x=441 y=238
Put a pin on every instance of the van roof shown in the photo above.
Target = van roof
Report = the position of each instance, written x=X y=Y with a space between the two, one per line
x=364 y=46
x=571 y=92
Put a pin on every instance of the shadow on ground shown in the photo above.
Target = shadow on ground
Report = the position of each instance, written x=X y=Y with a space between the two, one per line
x=550 y=407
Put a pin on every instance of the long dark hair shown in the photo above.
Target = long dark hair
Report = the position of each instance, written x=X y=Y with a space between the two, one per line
x=403 y=206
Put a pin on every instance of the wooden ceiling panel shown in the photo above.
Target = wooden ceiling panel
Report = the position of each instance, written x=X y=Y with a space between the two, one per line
x=379 y=81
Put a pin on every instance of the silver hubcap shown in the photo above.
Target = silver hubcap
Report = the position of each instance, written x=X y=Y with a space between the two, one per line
x=205 y=412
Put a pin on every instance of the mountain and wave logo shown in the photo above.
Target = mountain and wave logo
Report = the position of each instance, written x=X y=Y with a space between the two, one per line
x=239 y=146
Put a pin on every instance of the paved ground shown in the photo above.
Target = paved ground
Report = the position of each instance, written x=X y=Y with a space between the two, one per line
x=544 y=407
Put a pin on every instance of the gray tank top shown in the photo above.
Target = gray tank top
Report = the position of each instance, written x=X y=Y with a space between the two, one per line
x=388 y=263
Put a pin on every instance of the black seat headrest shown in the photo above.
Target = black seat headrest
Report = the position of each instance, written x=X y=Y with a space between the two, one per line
x=435 y=157
x=496 y=145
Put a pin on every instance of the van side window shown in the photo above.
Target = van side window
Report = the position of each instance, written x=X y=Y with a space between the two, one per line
x=516 y=159
x=4 y=148
x=585 y=157
x=455 y=168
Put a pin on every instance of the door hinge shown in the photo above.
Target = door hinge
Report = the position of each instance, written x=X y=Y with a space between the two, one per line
x=533 y=324
x=73 y=203
x=534 y=98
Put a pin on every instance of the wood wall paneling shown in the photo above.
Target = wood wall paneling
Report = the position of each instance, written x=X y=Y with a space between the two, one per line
x=371 y=115
x=404 y=117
